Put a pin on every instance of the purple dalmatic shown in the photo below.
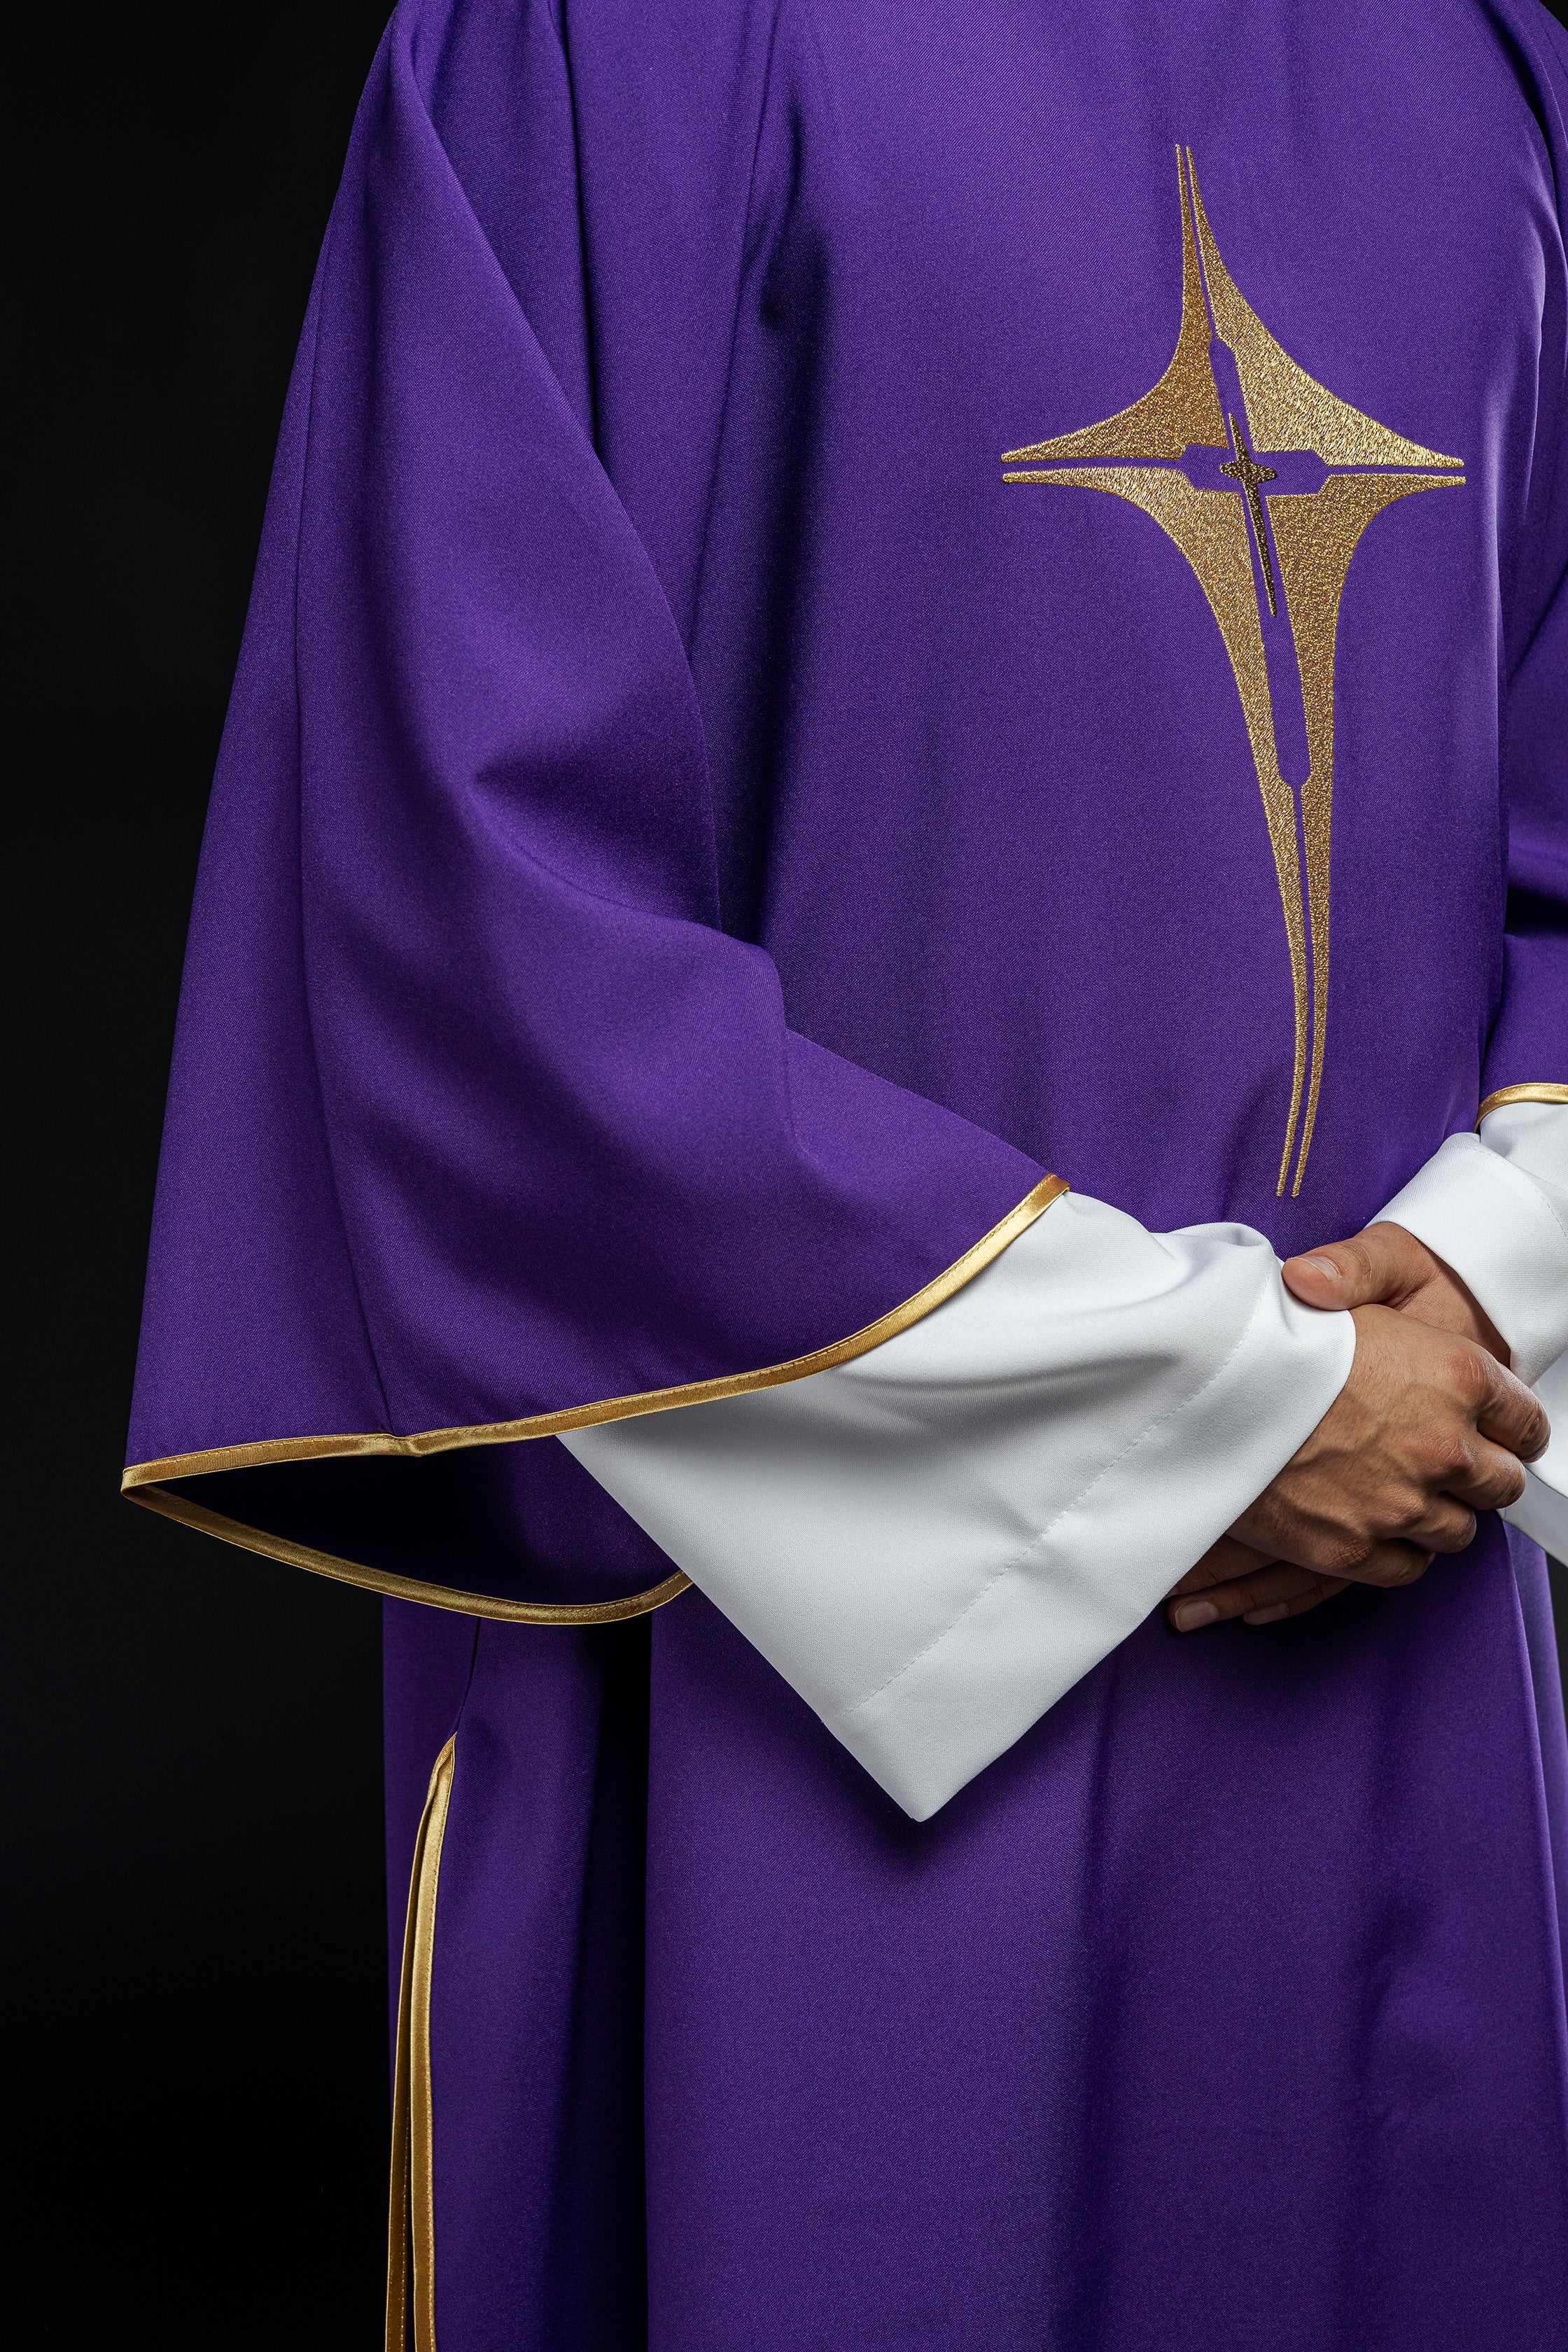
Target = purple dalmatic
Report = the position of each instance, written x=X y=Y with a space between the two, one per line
x=712 y=812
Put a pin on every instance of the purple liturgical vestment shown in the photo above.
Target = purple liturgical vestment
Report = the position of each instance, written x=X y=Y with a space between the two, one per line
x=862 y=604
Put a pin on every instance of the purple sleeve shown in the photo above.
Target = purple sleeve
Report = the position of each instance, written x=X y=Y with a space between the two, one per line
x=477 y=1113
x=1528 y=1043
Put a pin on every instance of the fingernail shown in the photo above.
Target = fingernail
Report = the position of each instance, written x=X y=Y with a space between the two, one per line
x=1267 y=1616
x=1191 y=1615
x=1326 y=1266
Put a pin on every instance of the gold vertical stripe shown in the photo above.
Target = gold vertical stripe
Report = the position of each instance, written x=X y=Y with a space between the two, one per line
x=411 y=2215
x=1315 y=539
x=397 y=2192
x=1212 y=535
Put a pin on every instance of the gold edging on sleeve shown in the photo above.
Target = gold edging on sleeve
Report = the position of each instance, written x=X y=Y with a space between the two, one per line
x=624 y=1408
x=411 y=2206
x=405 y=1588
x=1541 y=1090
x=142 y=1482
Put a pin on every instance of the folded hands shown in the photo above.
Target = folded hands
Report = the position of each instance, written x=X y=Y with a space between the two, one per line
x=1430 y=1427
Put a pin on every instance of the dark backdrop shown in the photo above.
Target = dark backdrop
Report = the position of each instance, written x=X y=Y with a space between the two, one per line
x=197 y=2008
x=197 y=2017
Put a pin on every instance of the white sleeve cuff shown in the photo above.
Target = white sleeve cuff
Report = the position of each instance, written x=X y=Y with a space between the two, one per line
x=1495 y=1208
x=935 y=1541
x=1541 y=1511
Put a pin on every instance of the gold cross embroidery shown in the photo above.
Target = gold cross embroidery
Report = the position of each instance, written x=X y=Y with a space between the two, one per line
x=1266 y=482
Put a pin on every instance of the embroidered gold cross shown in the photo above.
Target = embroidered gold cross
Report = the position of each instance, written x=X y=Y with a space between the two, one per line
x=1243 y=470
x=1232 y=413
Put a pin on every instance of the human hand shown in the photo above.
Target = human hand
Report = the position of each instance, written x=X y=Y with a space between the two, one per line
x=1232 y=1579
x=1428 y=1428
x=1384 y=1265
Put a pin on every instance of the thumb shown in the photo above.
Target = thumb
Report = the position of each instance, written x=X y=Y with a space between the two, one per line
x=1375 y=1267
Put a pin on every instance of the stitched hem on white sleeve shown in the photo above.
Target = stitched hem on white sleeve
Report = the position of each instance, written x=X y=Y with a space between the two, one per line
x=1096 y=1572
x=1505 y=1234
x=933 y=1543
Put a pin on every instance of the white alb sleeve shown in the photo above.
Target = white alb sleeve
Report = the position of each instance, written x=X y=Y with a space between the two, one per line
x=1495 y=1208
x=933 y=1542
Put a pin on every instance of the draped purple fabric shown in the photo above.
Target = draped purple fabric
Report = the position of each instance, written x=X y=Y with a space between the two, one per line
x=691 y=846
x=457 y=996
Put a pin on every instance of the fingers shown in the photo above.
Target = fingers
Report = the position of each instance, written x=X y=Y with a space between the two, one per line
x=1429 y=1429
x=1222 y=1561
x=1278 y=1611
x=1444 y=1525
x=1486 y=1476
x=1384 y=1266
x=1508 y=1412
x=1373 y=1269
x=1317 y=1537
x=1271 y=1595
x=1278 y=1589
x=1390 y=1564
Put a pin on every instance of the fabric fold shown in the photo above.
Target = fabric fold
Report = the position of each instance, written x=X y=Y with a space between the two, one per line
x=478 y=1114
x=933 y=1543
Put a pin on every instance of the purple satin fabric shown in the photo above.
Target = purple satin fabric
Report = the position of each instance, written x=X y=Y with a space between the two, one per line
x=690 y=846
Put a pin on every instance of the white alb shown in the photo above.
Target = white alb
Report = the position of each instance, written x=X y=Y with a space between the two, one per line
x=933 y=1543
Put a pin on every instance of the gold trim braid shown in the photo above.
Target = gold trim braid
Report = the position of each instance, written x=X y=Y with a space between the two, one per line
x=143 y=1481
x=411 y=2206
x=623 y=1408
x=1541 y=1090
x=404 y=1588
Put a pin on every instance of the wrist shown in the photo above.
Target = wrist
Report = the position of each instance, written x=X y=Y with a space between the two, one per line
x=1433 y=1293
x=1503 y=1231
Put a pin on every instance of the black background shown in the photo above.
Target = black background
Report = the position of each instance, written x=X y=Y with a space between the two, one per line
x=197 y=2075
x=197 y=2004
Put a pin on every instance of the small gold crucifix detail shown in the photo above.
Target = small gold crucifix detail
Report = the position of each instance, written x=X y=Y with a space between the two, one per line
x=1242 y=470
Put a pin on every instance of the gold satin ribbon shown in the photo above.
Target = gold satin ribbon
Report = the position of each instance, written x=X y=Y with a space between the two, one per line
x=405 y=1588
x=1541 y=1090
x=411 y=2212
x=621 y=1408
x=143 y=1481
